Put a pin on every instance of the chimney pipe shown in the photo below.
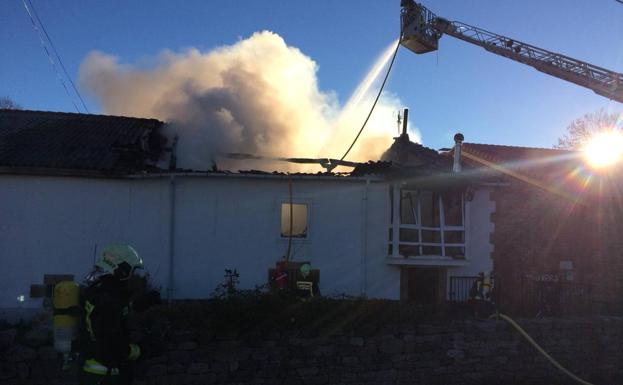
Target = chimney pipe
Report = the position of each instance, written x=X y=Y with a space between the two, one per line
x=458 y=142
x=405 y=118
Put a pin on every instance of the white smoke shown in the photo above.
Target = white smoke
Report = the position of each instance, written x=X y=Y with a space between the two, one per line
x=257 y=96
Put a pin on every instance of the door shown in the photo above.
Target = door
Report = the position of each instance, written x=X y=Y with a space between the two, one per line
x=425 y=286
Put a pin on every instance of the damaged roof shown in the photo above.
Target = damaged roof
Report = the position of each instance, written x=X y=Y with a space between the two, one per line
x=420 y=166
x=42 y=141
x=407 y=154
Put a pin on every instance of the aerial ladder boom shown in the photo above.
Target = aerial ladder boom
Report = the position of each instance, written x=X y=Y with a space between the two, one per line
x=421 y=30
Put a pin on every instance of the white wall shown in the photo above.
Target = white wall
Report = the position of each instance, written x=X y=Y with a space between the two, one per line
x=479 y=230
x=51 y=225
x=382 y=280
x=235 y=223
x=478 y=248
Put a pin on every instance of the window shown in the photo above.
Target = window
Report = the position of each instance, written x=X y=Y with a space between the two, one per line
x=294 y=220
x=431 y=224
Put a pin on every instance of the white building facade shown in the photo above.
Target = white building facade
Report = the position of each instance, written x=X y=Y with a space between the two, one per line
x=70 y=184
x=190 y=227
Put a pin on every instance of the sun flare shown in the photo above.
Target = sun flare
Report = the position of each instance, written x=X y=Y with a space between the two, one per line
x=604 y=149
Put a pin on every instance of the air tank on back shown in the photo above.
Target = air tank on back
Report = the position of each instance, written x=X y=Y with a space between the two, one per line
x=66 y=301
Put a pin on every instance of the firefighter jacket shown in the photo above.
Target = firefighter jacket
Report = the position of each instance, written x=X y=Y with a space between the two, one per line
x=106 y=338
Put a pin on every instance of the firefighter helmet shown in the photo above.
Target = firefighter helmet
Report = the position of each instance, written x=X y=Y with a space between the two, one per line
x=119 y=260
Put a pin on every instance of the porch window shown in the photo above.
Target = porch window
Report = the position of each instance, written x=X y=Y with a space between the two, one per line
x=294 y=220
x=431 y=224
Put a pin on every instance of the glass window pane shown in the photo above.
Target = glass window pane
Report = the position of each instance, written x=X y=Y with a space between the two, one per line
x=430 y=236
x=429 y=204
x=409 y=251
x=299 y=220
x=408 y=207
x=453 y=208
x=454 y=237
x=409 y=235
x=431 y=250
x=455 y=252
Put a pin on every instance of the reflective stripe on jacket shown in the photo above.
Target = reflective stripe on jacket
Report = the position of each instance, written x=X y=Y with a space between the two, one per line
x=94 y=367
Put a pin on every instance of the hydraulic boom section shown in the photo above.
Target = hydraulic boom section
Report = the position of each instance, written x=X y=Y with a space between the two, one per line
x=421 y=30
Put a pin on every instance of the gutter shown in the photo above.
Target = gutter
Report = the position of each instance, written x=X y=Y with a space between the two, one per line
x=172 y=165
x=171 y=238
x=47 y=171
x=55 y=172
x=254 y=176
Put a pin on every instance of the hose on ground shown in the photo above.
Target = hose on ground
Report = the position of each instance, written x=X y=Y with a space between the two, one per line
x=539 y=348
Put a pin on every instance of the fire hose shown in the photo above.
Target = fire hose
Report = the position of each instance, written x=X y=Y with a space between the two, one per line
x=539 y=348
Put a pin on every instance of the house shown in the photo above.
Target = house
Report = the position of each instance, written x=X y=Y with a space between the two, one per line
x=72 y=183
x=418 y=225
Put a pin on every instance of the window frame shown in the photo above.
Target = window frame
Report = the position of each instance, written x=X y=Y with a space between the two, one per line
x=395 y=242
x=295 y=201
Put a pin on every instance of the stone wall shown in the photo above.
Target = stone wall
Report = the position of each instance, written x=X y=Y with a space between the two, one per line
x=458 y=352
x=536 y=230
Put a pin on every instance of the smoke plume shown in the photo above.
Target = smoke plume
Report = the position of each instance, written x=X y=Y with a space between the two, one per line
x=257 y=96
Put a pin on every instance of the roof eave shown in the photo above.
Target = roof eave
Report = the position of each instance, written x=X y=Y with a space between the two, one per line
x=45 y=171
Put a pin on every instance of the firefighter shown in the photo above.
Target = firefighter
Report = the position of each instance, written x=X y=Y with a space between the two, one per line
x=106 y=351
x=482 y=295
x=483 y=287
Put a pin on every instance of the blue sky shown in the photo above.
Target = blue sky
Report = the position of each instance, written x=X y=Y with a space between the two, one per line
x=460 y=88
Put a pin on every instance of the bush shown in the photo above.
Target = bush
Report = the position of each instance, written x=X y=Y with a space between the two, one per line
x=249 y=312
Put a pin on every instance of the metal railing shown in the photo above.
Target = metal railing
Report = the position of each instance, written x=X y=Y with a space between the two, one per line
x=460 y=288
x=555 y=297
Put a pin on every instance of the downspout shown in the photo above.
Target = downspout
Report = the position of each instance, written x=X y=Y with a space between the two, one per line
x=291 y=204
x=364 y=243
x=172 y=167
x=171 y=236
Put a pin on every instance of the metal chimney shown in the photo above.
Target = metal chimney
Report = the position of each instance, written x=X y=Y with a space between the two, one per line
x=405 y=118
x=458 y=142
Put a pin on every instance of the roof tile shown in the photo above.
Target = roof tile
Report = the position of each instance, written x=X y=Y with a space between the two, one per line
x=59 y=140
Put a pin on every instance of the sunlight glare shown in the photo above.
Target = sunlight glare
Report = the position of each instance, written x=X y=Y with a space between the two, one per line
x=604 y=149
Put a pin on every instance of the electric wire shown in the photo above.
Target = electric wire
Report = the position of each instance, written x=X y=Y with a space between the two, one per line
x=42 y=39
x=389 y=69
x=50 y=58
x=58 y=56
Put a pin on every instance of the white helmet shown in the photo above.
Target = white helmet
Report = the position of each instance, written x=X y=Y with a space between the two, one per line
x=119 y=260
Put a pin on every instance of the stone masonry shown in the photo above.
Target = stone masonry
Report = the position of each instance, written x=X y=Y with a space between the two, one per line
x=459 y=352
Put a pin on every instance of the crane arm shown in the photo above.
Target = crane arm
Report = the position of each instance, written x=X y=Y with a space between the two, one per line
x=422 y=29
